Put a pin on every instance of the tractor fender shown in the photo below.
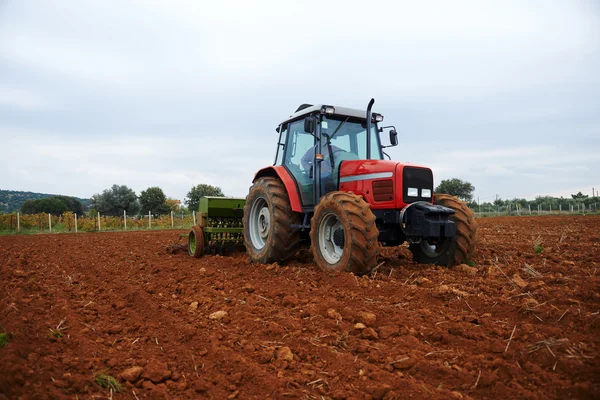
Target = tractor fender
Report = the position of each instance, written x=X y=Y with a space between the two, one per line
x=280 y=172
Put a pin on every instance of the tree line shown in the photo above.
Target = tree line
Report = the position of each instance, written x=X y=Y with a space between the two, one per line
x=52 y=205
x=118 y=198
x=464 y=190
x=12 y=200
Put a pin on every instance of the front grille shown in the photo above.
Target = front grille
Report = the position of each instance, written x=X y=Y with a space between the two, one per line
x=418 y=178
x=383 y=190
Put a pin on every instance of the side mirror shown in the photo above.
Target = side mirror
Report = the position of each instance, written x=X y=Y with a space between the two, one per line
x=309 y=125
x=393 y=138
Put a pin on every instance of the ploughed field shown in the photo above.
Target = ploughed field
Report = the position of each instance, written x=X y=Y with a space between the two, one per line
x=523 y=322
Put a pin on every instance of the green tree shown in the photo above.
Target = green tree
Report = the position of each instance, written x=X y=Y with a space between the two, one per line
x=193 y=197
x=53 y=205
x=115 y=200
x=153 y=200
x=456 y=187
x=72 y=203
x=579 y=196
x=29 y=207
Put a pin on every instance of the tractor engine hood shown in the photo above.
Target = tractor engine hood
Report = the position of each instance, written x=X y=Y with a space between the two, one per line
x=387 y=184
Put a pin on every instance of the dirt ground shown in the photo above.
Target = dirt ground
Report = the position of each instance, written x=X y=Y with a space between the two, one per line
x=519 y=324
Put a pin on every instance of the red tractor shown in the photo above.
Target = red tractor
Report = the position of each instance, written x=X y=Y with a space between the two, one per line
x=330 y=186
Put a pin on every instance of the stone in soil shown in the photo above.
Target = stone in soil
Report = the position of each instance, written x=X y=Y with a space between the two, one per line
x=218 y=315
x=367 y=318
x=285 y=354
x=404 y=363
x=369 y=333
x=156 y=371
x=147 y=385
x=132 y=374
x=467 y=269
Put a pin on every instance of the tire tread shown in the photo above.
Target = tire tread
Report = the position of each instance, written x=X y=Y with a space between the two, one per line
x=359 y=221
x=284 y=240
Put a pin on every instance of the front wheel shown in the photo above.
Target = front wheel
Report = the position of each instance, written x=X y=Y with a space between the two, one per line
x=450 y=251
x=343 y=234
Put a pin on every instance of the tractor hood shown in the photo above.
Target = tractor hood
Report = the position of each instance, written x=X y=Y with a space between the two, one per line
x=387 y=184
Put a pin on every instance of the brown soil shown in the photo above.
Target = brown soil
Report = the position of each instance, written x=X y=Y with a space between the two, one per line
x=79 y=305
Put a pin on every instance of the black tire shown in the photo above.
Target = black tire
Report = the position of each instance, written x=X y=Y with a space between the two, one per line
x=359 y=239
x=269 y=197
x=451 y=251
x=196 y=242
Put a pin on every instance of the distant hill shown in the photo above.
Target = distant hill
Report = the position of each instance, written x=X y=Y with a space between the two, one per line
x=11 y=200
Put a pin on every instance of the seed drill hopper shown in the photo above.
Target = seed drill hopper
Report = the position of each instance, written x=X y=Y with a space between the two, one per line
x=218 y=227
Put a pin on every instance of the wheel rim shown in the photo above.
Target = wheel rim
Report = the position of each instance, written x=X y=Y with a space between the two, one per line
x=331 y=252
x=192 y=243
x=432 y=249
x=259 y=223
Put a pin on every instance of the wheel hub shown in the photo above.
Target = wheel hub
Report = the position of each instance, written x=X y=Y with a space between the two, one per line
x=331 y=239
x=338 y=237
x=259 y=222
x=264 y=222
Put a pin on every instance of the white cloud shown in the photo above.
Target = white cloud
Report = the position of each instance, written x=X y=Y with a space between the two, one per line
x=84 y=166
x=181 y=92
x=24 y=98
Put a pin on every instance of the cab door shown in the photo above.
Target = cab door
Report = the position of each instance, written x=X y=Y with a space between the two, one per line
x=298 y=159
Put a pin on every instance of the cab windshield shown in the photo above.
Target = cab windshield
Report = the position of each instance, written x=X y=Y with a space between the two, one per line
x=349 y=135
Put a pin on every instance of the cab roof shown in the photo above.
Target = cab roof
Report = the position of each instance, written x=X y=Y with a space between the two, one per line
x=306 y=109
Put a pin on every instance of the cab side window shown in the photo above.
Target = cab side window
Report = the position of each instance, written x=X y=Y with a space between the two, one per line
x=299 y=154
x=281 y=145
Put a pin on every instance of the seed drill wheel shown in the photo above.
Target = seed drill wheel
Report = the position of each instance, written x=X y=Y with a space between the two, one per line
x=450 y=251
x=196 y=242
x=268 y=218
x=343 y=234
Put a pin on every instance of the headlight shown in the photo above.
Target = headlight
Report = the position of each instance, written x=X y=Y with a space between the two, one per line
x=426 y=193
x=327 y=110
x=413 y=192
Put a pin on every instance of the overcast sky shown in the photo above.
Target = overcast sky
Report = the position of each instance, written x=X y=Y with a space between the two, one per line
x=504 y=94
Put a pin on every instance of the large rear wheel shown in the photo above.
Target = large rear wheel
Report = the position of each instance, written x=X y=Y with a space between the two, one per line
x=268 y=219
x=343 y=234
x=450 y=251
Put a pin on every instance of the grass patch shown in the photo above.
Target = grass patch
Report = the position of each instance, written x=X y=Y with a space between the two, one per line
x=57 y=332
x=107 y=382
x=538 y=249
x=4 y=339
x=537 y=245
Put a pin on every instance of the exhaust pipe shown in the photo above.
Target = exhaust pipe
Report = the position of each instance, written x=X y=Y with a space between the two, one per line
x=369 y=115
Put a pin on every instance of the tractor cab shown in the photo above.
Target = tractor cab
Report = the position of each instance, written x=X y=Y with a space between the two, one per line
x=316 y=139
